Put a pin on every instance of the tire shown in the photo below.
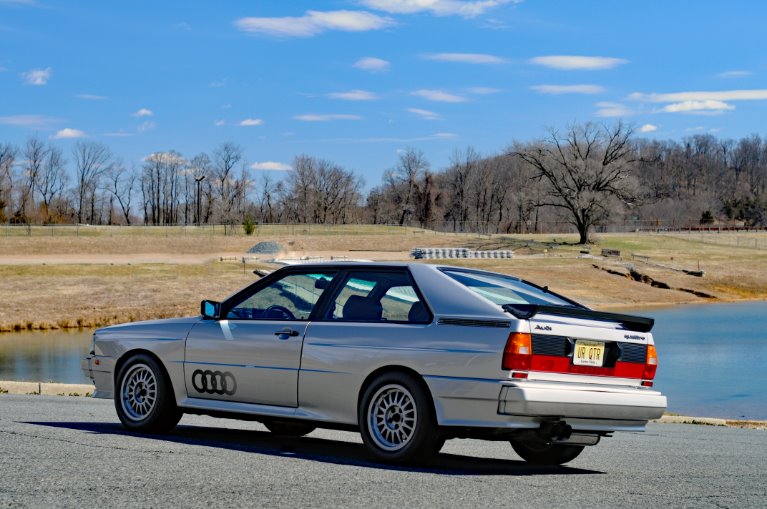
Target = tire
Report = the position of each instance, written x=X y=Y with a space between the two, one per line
x=144 y=396
x=540 y=452
x=396 y=419
x=289 y=429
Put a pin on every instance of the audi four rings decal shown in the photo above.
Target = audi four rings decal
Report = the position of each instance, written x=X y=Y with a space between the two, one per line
x=214 y=382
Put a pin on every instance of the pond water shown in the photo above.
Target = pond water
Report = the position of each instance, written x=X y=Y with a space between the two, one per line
x=713 y=358
x=44 y=356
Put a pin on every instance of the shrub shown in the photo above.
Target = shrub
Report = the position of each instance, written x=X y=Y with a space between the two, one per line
x=248 y=225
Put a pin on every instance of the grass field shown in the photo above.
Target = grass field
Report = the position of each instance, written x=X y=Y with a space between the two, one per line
x=66 y=280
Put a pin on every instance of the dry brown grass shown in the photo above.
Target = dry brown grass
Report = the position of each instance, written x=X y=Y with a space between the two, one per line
x=62 y=282
x=70 y=296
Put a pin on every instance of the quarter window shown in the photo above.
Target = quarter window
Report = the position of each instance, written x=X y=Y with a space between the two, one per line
x=379 y=296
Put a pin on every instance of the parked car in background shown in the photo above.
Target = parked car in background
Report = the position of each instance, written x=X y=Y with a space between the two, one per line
x=408 y=354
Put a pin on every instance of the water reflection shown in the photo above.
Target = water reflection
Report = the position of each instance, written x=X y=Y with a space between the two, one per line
x=44 y=356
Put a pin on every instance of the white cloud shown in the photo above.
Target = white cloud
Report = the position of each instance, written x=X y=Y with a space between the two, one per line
x=723 y=95
x=249 y=122
x=218 y=83
x=467 y=9
x=466 y=58
x=372 y=64
x=271 y=166
x=608 y=109
x=312 y=117
x=444 y=136
x=574 y=62
x=354 y=95
x=568 y=89
x=68 y=133
x=314 y=23
x=37 y=76
x=28 y=120
x=648 y=128
x=734 y=74
x=91 y=97
x=439 y=96
x=705 y=107
x=182 y=26
x=483 y=90
x=143 y=112
x=424 y=114
x=218 y=123
x=146 y=126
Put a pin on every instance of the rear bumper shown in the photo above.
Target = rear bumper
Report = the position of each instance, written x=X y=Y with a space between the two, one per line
x=503 y=404
x=554 y=400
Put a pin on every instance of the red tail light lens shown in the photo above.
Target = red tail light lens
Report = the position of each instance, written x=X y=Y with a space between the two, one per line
x=651 y=364
x=518 y=352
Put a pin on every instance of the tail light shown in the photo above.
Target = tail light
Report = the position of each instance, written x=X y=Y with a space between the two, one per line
x=518 y=352
x=651 y=364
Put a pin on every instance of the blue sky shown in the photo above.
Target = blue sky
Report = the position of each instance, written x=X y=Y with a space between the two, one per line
x=356 y=81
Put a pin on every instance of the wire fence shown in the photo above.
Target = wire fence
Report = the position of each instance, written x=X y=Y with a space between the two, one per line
x=751 y=239
x=754 y=238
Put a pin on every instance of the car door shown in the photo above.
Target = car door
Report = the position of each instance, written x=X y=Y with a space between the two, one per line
x=373 y=317
x=252 y=354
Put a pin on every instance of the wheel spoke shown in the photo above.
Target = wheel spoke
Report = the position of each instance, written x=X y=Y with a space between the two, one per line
x=139 y=392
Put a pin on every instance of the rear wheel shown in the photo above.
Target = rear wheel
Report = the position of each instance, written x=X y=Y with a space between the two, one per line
x=396 y=419
x=541 y=452
x=289 y=429
x=144 y=397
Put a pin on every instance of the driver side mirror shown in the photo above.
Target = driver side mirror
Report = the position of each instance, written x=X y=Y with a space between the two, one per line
x=210 y=309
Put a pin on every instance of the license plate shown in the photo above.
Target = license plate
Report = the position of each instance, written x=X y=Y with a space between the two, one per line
x=588 y=353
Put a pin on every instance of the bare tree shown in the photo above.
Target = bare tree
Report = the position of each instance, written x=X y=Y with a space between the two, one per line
x=462 y=167
x=266 y=200
x=34 y=155
x=160 y=186
x=51 y=179
x=7 y=160
x=402 y=181
x=121 y=184
x=225 y=158
x=584 y=170
x=92 y=159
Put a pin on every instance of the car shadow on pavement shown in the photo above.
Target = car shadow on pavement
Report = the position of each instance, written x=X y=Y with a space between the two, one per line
x=321 y=450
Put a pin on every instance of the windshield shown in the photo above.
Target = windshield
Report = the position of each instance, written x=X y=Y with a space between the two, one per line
x=507 y=290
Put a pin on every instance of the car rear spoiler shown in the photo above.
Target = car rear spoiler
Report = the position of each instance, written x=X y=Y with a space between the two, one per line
x=629 y=322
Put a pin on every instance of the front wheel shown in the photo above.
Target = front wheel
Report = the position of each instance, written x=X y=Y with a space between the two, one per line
x=540 y=452
x=396 y=419
x=144 y=397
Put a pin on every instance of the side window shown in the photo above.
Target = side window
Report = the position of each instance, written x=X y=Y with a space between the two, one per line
x=291 y=298
x=378 y=296
x=358 y=289
x=397 y=303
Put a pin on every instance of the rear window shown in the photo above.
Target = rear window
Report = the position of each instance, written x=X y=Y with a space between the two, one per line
x=507 y=290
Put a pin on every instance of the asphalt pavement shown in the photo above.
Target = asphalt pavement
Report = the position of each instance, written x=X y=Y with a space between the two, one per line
x=72 y=452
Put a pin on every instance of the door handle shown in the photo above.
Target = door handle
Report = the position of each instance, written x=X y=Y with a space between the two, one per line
x=286 y=332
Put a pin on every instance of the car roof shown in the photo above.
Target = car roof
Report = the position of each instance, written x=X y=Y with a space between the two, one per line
x=444 y=295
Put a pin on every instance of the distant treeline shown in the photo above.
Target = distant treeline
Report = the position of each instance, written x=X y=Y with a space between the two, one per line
x=588 y=176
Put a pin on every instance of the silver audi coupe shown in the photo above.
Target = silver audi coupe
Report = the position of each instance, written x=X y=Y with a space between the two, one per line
x=408 y=354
